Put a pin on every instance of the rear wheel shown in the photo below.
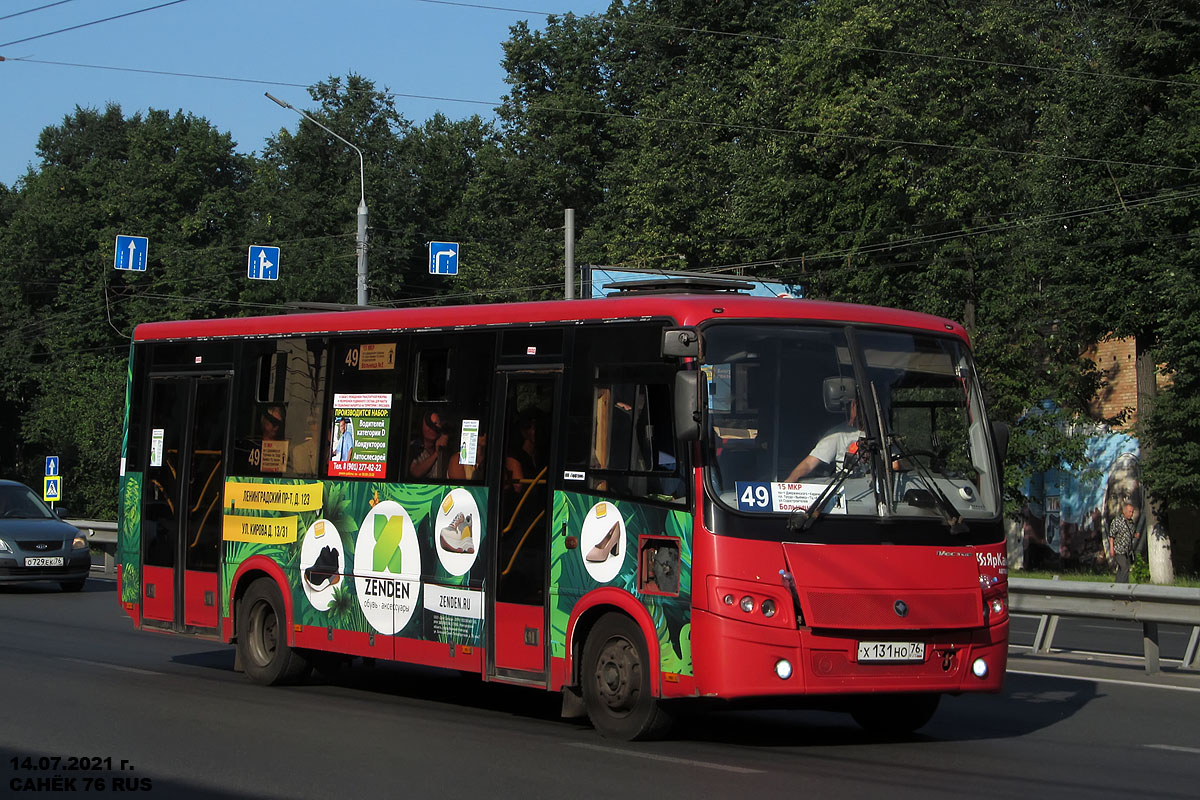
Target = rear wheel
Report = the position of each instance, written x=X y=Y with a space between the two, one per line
x=262 y=637
x=895 y=715
x=616 y=682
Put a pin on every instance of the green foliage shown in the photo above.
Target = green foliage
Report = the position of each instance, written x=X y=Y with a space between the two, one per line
x=1139 y=570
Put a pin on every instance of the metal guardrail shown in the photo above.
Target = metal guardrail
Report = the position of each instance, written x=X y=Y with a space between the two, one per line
x=1148 y=604
x=103 y=535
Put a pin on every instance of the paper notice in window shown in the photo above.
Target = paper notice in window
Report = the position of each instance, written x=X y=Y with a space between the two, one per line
x=274 y=456
x=468 y=448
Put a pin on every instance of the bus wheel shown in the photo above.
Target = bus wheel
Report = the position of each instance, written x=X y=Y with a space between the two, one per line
x=616 y=682
x=895 y=715
x=262 y=637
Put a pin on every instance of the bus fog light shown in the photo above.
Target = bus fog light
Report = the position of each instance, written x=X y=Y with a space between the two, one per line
x=980 y=668
x=728 y=599
x=747 y=604
x=768 y=607
x=783 y=668
x=997 y=605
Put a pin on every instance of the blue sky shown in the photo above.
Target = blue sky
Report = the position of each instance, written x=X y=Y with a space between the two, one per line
x=411 y=47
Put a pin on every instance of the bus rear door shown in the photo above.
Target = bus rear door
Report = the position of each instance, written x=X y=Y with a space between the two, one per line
x=522 y=518
x=181 y=515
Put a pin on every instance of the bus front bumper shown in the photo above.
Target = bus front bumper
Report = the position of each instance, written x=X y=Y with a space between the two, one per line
x=735 y=659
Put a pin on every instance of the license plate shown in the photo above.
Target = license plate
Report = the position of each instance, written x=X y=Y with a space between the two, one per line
x=44 y=561
x=890 y=651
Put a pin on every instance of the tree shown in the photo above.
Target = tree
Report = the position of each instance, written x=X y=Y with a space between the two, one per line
x=172 y=178
x=307 y=189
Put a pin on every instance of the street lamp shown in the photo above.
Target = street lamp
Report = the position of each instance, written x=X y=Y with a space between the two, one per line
x=361 y=237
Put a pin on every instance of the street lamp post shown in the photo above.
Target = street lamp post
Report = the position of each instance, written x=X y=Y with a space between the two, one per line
x=361 y=235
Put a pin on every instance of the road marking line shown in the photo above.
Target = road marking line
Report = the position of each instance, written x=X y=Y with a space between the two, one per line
x=1103 y=680
x=1174 y=748
x=111 y=666
x=685 y=761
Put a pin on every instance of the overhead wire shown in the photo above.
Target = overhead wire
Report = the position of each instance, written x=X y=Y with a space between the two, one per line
x=620 y=21
x=32 y=10
x=540 y=107
x=93 y=22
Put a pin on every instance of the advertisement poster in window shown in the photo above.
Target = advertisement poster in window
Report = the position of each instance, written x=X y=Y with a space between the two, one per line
x=358 y=447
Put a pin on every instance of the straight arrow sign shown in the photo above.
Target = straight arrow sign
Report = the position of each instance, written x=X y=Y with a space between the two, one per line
x=131 y=253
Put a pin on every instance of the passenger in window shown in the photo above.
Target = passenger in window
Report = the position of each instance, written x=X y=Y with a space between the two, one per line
x=832 y=448
x=270 y=422
x=274 y=442
x=524 y=460
x=430 y=448
x=267 y=450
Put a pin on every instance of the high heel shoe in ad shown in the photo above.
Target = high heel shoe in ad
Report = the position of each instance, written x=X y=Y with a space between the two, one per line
x=607 y=547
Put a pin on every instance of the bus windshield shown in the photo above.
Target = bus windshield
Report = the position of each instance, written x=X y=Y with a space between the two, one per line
x=847 y=421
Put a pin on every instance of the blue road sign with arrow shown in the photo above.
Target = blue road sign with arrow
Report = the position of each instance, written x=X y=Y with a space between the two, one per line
x=443 y=258
x=51 y=466
x=132 y=253
x=262 y=263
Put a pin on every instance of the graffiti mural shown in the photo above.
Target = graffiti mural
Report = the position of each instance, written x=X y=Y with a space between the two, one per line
x=1066 y=523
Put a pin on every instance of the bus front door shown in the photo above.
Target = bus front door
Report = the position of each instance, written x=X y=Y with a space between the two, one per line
x=181 y=515
x=523 y=514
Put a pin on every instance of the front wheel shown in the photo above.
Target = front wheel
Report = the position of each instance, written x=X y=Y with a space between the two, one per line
x=895 y=715
x=262 y=637
x=616 y=682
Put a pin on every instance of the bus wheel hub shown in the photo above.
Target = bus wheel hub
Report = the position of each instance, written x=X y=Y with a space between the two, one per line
x=617 y=674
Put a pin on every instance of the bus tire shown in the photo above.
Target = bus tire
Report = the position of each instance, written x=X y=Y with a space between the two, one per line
x=615 y=678
x=894 y=715
x=262 y=644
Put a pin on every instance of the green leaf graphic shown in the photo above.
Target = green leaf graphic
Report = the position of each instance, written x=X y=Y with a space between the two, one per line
x=388 y=533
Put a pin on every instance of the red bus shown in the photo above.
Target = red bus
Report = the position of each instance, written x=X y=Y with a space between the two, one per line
x=675 y=492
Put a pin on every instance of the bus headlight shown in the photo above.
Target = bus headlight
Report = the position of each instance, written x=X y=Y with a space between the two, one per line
x=980 y=668
x=783 y=668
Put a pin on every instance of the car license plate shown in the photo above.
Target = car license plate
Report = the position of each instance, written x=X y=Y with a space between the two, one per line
x=890 y=651
x=44 y=561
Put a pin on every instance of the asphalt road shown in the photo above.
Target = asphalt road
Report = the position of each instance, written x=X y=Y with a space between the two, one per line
x=79 y=683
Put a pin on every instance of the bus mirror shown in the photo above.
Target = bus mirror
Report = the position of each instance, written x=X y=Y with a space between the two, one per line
x=1000 y=439
x=681 y=342
x=1000 y=434
x=687 y=405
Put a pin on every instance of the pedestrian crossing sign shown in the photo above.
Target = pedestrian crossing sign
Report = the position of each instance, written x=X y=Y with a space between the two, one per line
x=52 y=488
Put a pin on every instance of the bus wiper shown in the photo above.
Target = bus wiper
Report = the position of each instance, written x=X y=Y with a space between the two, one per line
x=932 y=495
x=802 y=520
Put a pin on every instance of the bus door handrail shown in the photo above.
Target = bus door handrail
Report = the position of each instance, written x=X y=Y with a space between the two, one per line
x=513 y=558
x=532 y=482
x=535 y=481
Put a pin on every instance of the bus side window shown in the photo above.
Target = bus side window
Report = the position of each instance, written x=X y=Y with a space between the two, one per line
x=447 y=433
x=277 y=412
x=620 y=421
